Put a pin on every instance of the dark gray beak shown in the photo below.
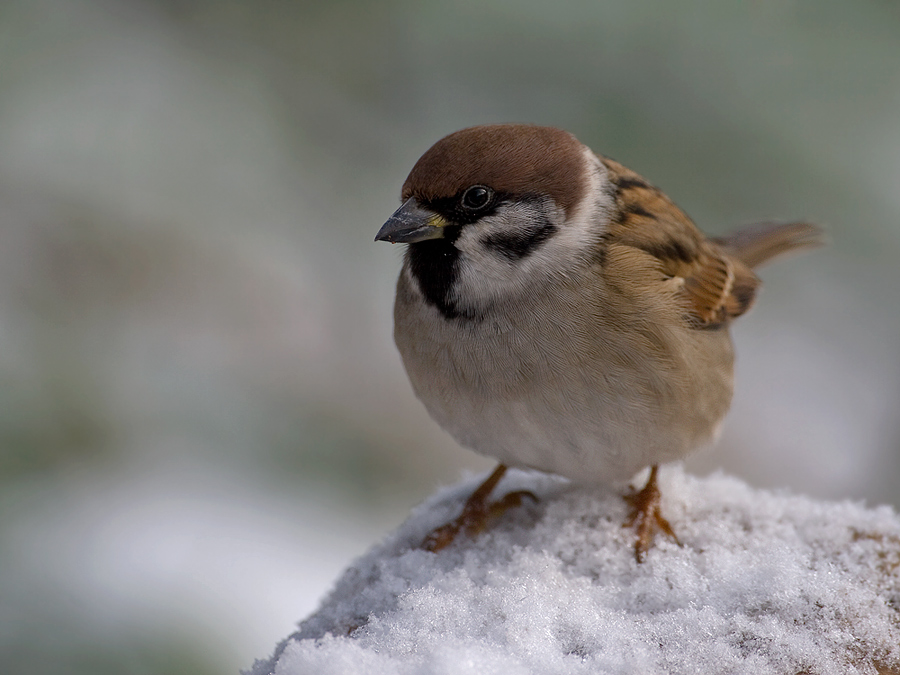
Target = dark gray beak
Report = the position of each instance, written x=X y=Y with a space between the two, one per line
x=411 y=223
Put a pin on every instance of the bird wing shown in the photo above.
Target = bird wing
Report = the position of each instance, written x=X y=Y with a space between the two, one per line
x=714 y=284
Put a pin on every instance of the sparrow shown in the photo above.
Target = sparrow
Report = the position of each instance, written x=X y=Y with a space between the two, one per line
x=556 y=311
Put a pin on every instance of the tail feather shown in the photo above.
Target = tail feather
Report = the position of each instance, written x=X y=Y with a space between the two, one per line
x=757 y=244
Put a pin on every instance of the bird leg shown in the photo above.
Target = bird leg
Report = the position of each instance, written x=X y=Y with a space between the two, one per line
x=476 y=512
x=646 y=516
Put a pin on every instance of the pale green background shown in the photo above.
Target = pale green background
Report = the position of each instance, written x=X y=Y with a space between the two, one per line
x=202 y=416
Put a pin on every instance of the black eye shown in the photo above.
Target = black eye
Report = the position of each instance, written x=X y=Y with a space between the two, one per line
x=476 y=197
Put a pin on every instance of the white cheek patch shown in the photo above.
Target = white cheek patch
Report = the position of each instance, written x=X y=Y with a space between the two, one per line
x=499 y=254
x=587 y=221
x=523 y=243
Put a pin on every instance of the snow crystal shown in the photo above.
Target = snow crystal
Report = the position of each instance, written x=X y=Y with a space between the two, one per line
x=763 y=582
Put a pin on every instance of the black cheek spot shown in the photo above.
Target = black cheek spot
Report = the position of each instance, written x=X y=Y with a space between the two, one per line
x=518 y=244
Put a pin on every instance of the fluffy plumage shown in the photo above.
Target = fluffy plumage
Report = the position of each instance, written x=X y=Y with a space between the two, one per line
x=556 y=311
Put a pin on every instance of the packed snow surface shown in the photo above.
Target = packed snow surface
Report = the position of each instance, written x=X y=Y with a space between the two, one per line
x=763 y=582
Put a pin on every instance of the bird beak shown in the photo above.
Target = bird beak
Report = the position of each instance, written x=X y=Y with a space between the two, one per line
x=411 y=223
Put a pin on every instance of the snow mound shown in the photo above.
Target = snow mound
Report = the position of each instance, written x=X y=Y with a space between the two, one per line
x=763 y=583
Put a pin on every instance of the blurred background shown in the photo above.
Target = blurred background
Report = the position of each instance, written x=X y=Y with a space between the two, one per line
x=203 y=418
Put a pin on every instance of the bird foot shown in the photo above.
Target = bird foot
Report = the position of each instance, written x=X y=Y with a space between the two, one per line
x=476 y=514
x=646 y=516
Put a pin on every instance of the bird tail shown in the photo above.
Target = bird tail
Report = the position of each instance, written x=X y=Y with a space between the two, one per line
x=757 y=244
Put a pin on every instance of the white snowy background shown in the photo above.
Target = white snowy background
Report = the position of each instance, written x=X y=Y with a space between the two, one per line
x=202 y=417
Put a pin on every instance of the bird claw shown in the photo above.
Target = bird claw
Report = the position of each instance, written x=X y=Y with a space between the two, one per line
x=646 y=516
x=476 y=514
x=509 y=501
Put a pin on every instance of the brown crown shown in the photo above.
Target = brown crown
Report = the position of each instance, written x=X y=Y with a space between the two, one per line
x=517 y=159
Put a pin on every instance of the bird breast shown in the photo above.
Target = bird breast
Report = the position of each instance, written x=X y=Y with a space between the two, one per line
x=558 y=382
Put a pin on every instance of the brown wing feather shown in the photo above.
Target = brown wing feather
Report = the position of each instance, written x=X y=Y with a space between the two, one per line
x=755 y=245
x=718 y=284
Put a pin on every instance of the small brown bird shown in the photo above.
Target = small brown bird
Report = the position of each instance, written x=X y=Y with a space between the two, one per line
x=556 y=311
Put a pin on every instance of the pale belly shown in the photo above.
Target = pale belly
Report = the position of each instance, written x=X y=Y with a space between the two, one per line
x=568 y=399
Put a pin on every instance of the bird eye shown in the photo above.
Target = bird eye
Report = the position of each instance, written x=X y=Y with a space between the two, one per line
x=476 y=197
